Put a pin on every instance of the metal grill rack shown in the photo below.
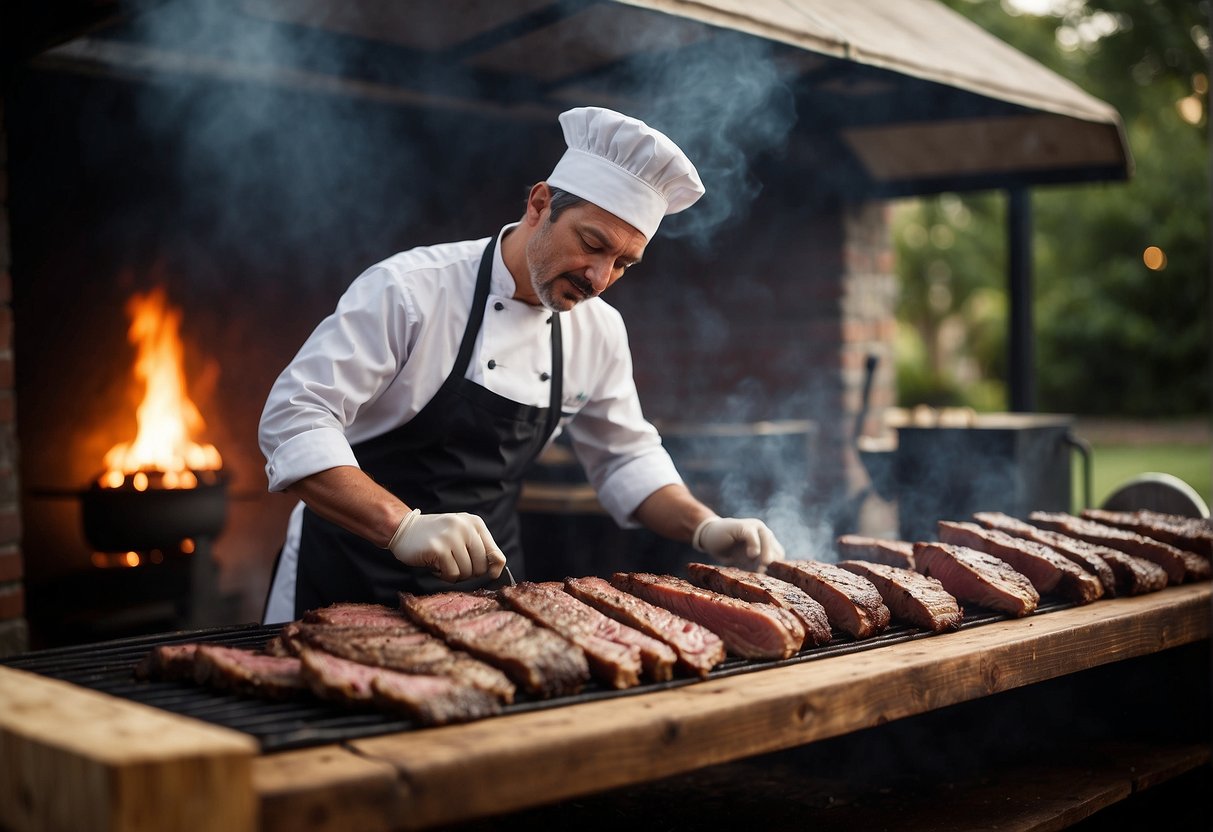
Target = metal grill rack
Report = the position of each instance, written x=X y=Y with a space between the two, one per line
x=299 y=723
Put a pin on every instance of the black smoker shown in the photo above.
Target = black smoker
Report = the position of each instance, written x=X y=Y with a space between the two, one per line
x=174 y=524
x=1015 y=463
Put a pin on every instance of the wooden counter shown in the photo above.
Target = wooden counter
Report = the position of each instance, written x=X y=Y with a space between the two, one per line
x=507 y=763
x=430 y=777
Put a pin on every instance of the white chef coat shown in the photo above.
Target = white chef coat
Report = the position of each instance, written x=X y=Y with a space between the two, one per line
x=375 y=362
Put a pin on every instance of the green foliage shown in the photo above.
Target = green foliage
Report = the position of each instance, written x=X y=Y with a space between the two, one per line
x=1113 y=336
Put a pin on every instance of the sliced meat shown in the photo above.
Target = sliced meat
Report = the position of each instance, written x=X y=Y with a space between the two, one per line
x=416 y=653
x=697 y=648
x=752 y=631
x=852 y=604
x=357 y=615
x=282 y=644
x=977 y=578
x=1050 y=572
x=544 y=663
x=431 y=700
x=1078 y=551
x=168 y=663
x=898 y=553
x=1134 y=576
x=1189 y=533
x=910 y=596
x=1180 y=565
x=614 y=662
x=246 y=672
x=764 y=589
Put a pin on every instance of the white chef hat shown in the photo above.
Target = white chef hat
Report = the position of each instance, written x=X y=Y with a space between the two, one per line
x=624 y=166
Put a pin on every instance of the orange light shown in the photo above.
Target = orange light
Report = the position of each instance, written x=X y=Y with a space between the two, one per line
x=167 y=417
x=187 y=546
x=131 y=559
x=1154 y=258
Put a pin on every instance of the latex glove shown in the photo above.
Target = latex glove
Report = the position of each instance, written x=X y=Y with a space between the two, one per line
x=745 y=542
x=454 y=547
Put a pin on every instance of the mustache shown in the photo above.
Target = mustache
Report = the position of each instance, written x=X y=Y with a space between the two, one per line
x=580 y=284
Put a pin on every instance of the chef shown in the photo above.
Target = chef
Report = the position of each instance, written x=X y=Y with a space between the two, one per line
x=405 y=422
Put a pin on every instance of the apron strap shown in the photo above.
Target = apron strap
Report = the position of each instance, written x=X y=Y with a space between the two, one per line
x=475 y=316
x=556 y=396
x=480 y=298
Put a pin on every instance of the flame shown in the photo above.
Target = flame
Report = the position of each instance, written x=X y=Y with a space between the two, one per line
x=167 y=417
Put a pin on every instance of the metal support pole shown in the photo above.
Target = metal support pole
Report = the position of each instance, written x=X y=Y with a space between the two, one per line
x=1021 y=364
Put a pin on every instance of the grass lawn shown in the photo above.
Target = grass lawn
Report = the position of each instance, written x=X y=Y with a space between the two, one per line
x=1116 y=463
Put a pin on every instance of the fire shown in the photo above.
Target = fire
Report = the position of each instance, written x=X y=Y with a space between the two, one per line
x=163 y=454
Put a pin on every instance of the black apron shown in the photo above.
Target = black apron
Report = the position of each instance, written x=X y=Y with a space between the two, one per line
x=465 y=451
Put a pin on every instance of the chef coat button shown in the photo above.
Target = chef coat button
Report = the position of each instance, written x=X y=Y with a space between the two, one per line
x=544 y=376
x=492 y=363
x=549 y=320
x=499 y=306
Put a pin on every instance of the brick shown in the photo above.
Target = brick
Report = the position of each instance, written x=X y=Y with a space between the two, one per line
x=12 y=601
x=10 y=524
x=6 y=279
x=14 y=637
x=11 y=566
x=6 y=371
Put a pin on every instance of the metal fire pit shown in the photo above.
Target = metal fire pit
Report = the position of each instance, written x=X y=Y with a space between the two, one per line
x=124 y=519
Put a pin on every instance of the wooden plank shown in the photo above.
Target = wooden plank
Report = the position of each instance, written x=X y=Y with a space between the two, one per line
x=525 y=759
x=326 y=789
x=75 y=759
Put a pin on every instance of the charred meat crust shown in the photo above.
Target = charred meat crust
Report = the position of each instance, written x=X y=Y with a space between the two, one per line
x=899 y=553
x=1050 y=572
x=910 y=596
x=615 y=662
x=540 y=660
x=753 y=631
x=1179 y=564
x=765 y=589
x=698 y=649
x=977 y=578
x=1075 y=550
x=851 y=602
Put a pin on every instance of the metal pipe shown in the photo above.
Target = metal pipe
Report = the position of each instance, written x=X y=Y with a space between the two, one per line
x=1021 y=365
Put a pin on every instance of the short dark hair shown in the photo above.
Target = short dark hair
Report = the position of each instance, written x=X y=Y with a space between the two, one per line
x=561 y=202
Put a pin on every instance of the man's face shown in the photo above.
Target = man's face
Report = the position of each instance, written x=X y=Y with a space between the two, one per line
x=580 y=255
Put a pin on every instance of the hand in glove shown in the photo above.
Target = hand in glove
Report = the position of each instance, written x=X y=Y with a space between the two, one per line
x=454 y=547
x=746 y=542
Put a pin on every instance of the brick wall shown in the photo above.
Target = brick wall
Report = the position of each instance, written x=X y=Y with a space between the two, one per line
x=774 y=322
x=14 y=635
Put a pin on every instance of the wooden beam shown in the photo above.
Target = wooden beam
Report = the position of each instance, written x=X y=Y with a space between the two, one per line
x=77 y=759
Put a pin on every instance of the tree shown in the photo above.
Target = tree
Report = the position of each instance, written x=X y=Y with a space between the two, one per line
x=1122 y=270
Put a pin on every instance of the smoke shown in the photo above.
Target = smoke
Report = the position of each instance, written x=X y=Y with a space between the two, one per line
x=727 y=105
x=272 y=163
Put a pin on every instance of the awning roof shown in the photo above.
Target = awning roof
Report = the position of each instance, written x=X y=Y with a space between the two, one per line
x=903 y=96
x=1062 y=132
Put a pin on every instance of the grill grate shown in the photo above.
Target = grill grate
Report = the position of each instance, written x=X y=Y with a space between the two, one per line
x=280 y=725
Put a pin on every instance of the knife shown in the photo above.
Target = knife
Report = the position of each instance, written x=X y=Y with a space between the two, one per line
x=510 y=576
